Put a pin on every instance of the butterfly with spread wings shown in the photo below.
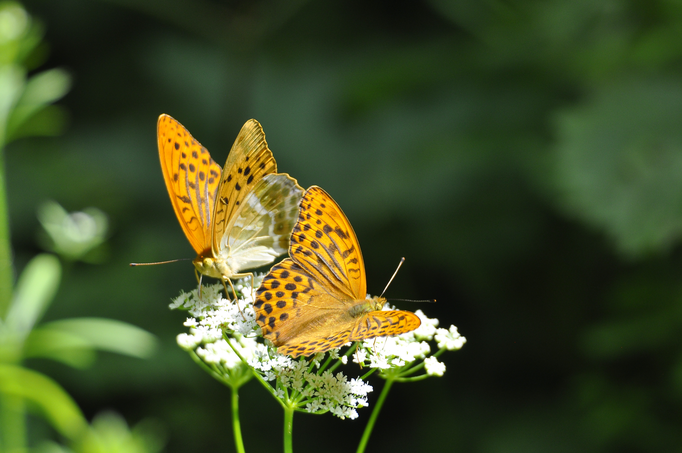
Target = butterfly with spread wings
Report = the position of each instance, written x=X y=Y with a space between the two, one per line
x=316 y=300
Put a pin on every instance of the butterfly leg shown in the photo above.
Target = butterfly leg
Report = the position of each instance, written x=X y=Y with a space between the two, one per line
x=253 y=295
x=357 y=355
x=199 y=277
x=234 y=292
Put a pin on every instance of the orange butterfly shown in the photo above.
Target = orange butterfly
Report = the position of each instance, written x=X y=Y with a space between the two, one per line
x=236 y=218
x=316 y=300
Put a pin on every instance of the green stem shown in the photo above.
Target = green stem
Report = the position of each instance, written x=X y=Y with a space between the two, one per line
x=373 y=417
x=5 y=248
x=236 y=424
x=12 y=424
x=288 y=429
x=421 y=377
x=258 y=376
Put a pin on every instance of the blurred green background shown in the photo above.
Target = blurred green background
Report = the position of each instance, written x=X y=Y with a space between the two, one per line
x=524 y=156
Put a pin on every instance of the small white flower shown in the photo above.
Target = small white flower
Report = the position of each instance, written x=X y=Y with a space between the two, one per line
x=449 y=339
x=188 y=342
x=433 y=367
x=427 y=328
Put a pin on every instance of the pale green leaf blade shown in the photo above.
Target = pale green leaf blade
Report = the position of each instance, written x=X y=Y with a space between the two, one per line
x=109 y=335
x=45 y=395
x=35 y=290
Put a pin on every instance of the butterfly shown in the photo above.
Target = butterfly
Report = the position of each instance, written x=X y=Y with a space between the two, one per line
x=316 y=300
x=236 y=218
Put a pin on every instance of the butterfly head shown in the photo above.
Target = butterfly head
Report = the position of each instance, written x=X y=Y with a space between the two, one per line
x=212 y=267
x=377 y=303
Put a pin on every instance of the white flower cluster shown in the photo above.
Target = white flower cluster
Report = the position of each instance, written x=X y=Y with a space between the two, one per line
x=305 y=383
x=319 y=393
x=211 y=315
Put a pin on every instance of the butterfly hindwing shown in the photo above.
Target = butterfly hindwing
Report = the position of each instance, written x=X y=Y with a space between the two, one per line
x=292 y=308
x=260 y=230
x=192 y=180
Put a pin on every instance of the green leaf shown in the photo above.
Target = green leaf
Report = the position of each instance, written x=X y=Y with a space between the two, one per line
x=107 y=335
x=110 y=433
x=619 y=161
x=41 y=90
x=11 y=85
x=35 y=290
x=48 y=122
x=56 y=344
x=45 y=395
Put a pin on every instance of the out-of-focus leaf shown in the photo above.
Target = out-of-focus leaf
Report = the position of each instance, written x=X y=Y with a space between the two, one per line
x=35 y=290
x=40 y=91
x=61 y=345
x=73 y=235
x=45 y=395
x=11 y=84
x=109 y=433
x=619 y=161
x=108 y=335
x=50 y=121
x=51 y=447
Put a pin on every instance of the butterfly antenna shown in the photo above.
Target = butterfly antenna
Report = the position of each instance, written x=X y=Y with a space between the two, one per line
x=159 y=262
x=402 y=260
x=412 y=300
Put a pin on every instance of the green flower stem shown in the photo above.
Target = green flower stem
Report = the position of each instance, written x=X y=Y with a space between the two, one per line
x=259 y=378
x=421 y=377
x=439 y=352
x=368 y=374
x=288 y=429
x=347 y=354
x=12 y=424
x=5 y=250
x=413 y=369
x=375 y=414
x=236 y=424
x=205 y=367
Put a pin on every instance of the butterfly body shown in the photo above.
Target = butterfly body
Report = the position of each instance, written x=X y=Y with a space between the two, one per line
x=236 y=218
x=316 y=300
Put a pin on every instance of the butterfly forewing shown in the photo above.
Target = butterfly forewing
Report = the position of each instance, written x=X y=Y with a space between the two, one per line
x=249 y=160
x=324 y=244
x=384 y=322
x=192 y=180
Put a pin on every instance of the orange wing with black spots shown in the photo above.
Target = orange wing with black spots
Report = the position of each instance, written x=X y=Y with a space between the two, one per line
x=324 y=244
x=192 y=180
x=237 y=218
x=316 y=300
x=249 y=161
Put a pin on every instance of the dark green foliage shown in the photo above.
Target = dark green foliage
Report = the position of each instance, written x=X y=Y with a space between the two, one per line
x=524 y=156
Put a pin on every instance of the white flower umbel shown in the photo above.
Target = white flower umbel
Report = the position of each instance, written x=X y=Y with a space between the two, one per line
x=224 y=338
x=212 y=315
